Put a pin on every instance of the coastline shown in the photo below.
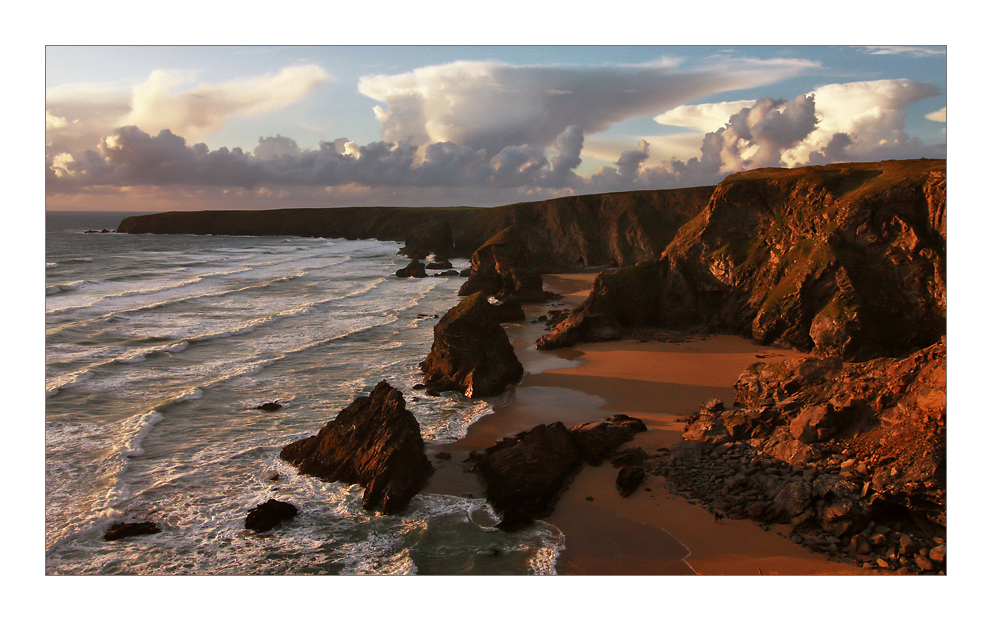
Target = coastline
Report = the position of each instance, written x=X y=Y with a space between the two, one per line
x=651 y=532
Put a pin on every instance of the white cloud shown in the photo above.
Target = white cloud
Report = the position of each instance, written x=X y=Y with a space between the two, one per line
x=707 y=117
x=491 y=105
x=939 y=116
x=911 y=50
x=165 y=101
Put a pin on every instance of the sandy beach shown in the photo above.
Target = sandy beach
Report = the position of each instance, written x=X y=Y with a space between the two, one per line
x=651 y=532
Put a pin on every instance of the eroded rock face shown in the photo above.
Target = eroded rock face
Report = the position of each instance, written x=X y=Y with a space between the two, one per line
x=842 y=453
x=525 y=475
x=501 y=268
x=842 y=260
x=431 y=237
x=471 y=352
x=374 y=442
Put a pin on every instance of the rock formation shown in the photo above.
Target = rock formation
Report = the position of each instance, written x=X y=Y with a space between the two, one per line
x=853 y=457
x=374 y=442
x=525 y=475
x=414 y=269
x=269 y=514
x=120 y=530
x=501 y=269
x=471 y=353
x=844 y=260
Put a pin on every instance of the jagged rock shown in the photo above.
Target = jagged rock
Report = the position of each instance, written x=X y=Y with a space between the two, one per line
x=845 y=260
x=501 y=269
x=374 y=442
x=414 y=269
x=120 y=530
x=270 y=406
x=628 y=479
x=597 y=440
x=471 y=352
x=524 y=476
x=431 y=237
x=269 y=514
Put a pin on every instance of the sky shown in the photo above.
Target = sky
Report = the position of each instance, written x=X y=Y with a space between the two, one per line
x=154 y=128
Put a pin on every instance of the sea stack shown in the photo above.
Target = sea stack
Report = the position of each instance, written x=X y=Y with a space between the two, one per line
x=374 y=442
x=471 y=352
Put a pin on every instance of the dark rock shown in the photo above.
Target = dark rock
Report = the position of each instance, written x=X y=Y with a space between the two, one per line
x=430 y=237
x=271 y=406
x=597 y=441
x=509 y=312
x=269 y=514
x=447 y=273
x=374 y=442
x=414 y=269
x=443 y=455
x=631 y=456
x=471 y=352
x=489 y=552
x=439 y=265
x=524 y=476
x=120 y=530
x=501 y=268
x=628 y=479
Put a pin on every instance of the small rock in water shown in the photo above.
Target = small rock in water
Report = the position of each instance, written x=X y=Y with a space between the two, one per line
x=489 y=552
x=271 y=406
x=271 y=475
x=268 y=514
x=119 y=530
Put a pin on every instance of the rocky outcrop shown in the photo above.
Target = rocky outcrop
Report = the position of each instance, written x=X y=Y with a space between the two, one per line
x=852 y=457
x=269 y=514
x=471 y=353
x=120 y=530
x=525 y=475
x=414 y=269
x=374 y=442
x=502 y=269
x=431 y=237
x=842 y=260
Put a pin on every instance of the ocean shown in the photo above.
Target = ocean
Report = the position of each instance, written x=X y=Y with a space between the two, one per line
x=158 y=348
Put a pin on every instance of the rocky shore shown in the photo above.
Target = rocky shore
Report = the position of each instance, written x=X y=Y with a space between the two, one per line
x=840 y=447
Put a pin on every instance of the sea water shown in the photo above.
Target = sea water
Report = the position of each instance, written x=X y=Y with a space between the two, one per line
x=158 y=350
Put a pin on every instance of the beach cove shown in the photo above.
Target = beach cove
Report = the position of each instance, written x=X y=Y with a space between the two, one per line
x=652 y=531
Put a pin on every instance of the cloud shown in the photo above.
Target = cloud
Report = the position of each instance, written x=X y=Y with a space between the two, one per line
x=939 y=116
x=492 y=105
x=911 y=50
x=80 y=115
x=707 y=117
x=164 y=102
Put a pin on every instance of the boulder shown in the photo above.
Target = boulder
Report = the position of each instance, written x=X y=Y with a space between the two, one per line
x=269 y=514
x=471 y=352
x=628 y=479
x=524 y=476
x=414 y=269
x=374 y=442
x=270 y=406
x=596 y=441
x=439 y=265
x=120 y=530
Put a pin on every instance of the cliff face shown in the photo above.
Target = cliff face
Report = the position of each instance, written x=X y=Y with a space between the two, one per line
x=599 y=229
x=845 y=260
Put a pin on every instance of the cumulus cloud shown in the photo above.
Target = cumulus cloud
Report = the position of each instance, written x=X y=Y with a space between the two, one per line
x=492 y=105
x=939 y=116
x=163 y=101
x=80 y=115
x=707 y=117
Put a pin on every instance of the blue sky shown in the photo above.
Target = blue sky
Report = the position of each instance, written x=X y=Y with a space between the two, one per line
x=269 y=126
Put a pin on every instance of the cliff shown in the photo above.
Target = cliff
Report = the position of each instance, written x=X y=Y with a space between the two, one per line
x=843 y=260
x=620 y=228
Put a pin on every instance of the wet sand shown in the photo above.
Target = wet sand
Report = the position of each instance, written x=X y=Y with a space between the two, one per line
x=651 y=532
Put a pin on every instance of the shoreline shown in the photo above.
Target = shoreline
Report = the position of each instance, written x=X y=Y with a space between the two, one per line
x=652 y=531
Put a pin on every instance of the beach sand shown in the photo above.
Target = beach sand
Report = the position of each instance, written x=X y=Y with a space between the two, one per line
x=651 y=532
